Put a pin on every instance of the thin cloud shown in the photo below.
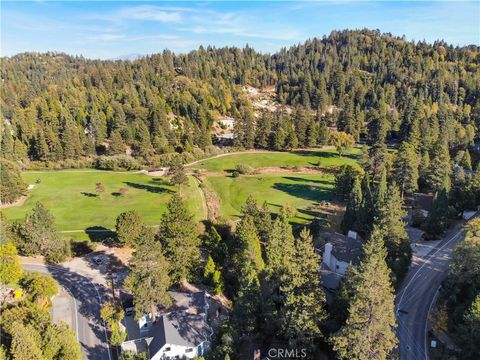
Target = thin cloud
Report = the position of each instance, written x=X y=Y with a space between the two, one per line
x=107 y=37
x=142 y=13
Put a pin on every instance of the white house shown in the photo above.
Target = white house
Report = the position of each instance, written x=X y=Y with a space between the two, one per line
x=227 y=122
x=182 y=333
x=340 y=251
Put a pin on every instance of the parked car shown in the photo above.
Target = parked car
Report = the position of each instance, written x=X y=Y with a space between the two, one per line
x=129 y=311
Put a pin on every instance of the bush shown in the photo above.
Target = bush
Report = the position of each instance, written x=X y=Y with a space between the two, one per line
x=59 y=250
x=117 y=162
x=235 y=174
x=243 y=169
x=37 y=284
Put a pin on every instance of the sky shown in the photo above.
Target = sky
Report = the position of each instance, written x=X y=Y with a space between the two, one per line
x=116 y=29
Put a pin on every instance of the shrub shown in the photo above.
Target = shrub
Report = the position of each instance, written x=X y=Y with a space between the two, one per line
x=59 y=250
x=37 y=284
x=243 y=169
x=117 y=162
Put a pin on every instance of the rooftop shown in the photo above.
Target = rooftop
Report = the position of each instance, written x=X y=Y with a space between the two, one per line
x=345 y=248
x=178 y=328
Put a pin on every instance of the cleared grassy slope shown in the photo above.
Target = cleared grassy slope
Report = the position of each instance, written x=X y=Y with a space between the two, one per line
x=71 y=197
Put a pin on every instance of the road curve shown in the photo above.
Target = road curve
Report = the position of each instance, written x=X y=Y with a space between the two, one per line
x=417 y=296
x=90 y=329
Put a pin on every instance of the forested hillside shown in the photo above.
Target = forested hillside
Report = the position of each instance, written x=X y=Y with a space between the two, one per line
x=55 y=106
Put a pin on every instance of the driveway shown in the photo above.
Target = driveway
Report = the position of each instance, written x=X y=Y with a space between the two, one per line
x=84 y=315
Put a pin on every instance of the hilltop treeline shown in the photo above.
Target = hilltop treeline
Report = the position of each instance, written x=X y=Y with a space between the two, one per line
x=55 y=106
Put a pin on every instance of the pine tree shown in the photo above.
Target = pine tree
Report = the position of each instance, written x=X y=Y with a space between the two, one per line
x=366 y=212
x=24 y=345
x=247 y=243
x=212 y=276
x=438 y=175
x=390 y=223
x=37 y=231
x=116 y=146
x=12 y=185
x=436 y=222
x=72 y=147
x=467 y=161
x=178 y=237
x=149 y=278
x=369 y=331
x=7 y=143
x=344 y=180
x=304 y=301
x=129 y=227
x=353 y=206
x=380 y=193
x=41 y=150
x=261 y=217
x=247 y=306
x=177 y=172
x=406 y=168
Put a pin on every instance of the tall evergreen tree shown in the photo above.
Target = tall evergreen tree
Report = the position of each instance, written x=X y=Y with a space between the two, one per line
x=438 y=175
x=366 y=212
x=178 y=237
x=116 y=145
x=369 y=331
x=247 y=244
x=149 y=278
x=406 y=168
x=436 y=222
x=390 y=223
x=304 y=298
x=353 y=206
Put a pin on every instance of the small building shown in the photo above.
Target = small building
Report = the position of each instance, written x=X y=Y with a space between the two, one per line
x=180 y=333
x=227 y=122
x=338 y=253
x=341 y=251
x=424 y=202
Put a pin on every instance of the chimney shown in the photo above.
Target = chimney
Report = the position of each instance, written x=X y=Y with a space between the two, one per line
x=327 y=253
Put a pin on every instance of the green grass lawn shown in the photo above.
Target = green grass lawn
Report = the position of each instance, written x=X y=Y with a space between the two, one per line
x=70 y=196
x=323 y=158
x=298 y=190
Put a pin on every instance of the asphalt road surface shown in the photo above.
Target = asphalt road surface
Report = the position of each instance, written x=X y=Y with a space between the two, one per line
x=417 y=296
x=85 y=312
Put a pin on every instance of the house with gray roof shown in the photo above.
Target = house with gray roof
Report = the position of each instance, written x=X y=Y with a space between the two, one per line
x=338 y=252
x=181 y=333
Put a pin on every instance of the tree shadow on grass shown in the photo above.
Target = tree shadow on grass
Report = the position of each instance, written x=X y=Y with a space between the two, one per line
x=149 y=188
x=303 y=191
x=160 y=181
x=99 y=233
x=325 y=154
x=317 y=181
x=88 y=194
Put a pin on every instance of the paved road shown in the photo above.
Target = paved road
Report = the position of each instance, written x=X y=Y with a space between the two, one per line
x=87 y=299
x=418 y=294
